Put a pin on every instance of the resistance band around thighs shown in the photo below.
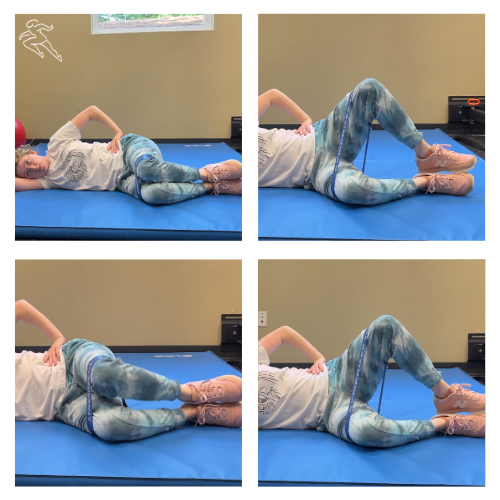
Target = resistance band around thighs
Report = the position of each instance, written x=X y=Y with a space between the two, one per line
x=90 y=415
x=355 y=385
x=341 y=143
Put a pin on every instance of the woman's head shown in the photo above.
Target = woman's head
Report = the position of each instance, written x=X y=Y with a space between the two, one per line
x=29 y=164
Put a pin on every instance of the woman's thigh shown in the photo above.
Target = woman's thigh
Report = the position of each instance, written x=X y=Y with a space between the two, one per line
x=368 y=428
x=137 y=146
x=355 y=188
x=78 y=360
x=73 y=410
x=118 y=423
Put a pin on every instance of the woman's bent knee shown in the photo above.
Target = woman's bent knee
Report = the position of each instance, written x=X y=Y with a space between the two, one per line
x=370 y=84
x=348 y=190
x=386 y=321
x=110 y=425
x=153 y=195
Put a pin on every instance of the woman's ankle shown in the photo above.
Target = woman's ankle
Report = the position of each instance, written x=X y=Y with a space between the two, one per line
x=423 y=149
x=422 y=182
x=190 y=411
x=440 y=423
x=203 y=174
x=441 y=389
x=186 y=395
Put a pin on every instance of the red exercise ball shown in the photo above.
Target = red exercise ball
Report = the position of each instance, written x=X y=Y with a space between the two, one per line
x=20 y=134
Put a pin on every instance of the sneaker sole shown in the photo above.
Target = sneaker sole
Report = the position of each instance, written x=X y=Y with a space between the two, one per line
x=447 y=170
x=477 y=412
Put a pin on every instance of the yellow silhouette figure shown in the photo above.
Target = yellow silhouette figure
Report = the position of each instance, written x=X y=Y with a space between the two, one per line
x=38 y=38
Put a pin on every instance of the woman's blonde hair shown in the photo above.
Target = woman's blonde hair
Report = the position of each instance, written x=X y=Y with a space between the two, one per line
x=23 y=151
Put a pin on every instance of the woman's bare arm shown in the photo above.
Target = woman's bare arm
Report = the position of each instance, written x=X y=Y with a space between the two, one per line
x=286 y=335
x=275 y=98
x=93 y=113
x=28 y=314
x=27 y=184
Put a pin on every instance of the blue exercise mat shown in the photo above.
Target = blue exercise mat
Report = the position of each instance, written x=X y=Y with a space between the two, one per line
x=54 y=453
x=112 y=215
x=312 y=458
x=301 y=214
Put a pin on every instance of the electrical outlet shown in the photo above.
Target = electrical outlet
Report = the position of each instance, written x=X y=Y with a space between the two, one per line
x=262 y=318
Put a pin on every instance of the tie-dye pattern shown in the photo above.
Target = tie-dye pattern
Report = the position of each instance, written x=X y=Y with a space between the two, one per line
x=371 y=101
x=161 y=182
x=112 y=379
x=387 y=338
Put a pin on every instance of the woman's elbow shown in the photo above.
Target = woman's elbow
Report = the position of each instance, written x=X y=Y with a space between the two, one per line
x=20 y=308
x=91 y=110
x=285 y=331
x=272 y=94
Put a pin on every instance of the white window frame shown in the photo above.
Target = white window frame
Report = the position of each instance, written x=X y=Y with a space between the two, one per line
x=96 y=30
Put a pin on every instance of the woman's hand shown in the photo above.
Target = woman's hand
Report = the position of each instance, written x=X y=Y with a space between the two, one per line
x=52 y=356
x=305 y=127
x=318 y=366
x=114 y=145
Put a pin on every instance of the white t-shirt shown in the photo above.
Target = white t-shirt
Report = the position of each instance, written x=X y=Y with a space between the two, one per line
x=285 y=158
x=290 y=398
x=78 y=165
x=39 y=387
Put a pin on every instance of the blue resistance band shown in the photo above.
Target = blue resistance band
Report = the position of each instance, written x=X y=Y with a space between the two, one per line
x=90 y=417
x=339 y=151
x=137 y=185
x=355 y=386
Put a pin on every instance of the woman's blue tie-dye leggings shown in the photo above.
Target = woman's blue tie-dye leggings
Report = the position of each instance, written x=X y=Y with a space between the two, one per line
x=157 y=182
x=371 y=101
x=112 y=379
x=387 y=338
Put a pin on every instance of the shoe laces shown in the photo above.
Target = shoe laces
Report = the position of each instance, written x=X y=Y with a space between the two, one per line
x=440 y=151
x=210 y=413
x=225 y=187
x=461 y=392
x=460 y=424
x=441 y=182
x=206 y=387
x=216 y=172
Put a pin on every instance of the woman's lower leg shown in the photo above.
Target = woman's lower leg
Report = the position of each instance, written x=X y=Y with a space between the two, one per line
x=113 y=377
x=152 y=170
x=167 y=193
x=423 y=149
x=116 y=423
x=186 y=395
x=190 y=411
x=422 y=182
x=440 y=424
x=441 y=389
x=367 y=428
